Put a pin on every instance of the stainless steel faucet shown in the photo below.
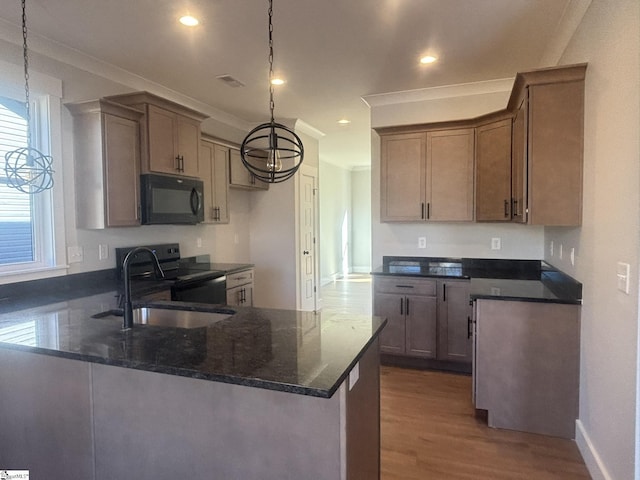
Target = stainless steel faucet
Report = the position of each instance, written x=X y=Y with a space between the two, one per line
x=128 y=307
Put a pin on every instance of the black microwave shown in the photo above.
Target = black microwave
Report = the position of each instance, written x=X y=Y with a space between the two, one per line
x=171 y=200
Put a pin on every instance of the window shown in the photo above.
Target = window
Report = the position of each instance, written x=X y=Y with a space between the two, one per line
x=31 y=230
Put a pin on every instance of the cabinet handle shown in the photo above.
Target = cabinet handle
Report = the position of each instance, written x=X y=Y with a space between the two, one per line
x=182 y=163
x=469 y=329
x=422 y=210
x=515 y=207
x=401 y=301
x=506 y=208
x=428 y=210
x=177 y=163
x=404 y=286
x=406 y=306
x=444 y=292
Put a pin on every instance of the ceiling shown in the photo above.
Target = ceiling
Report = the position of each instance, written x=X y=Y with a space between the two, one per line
x=331 y=52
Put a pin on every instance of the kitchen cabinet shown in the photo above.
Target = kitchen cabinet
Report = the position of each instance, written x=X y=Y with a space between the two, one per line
x=454 y=321
x=213 y=169
x=170 y=134
x=240 y=177
x=493 y=171
x=410 y=307
x=427 y=176
x=240 y=288
x=547 y=154
x=526 y=365
x=107 y=162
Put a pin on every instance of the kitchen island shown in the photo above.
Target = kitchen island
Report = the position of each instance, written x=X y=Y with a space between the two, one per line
x=253 y=394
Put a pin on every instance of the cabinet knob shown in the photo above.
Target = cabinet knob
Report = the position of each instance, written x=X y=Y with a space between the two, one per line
x=305 y=252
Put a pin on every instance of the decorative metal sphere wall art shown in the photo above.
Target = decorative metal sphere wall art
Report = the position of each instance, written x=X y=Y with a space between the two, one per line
x=272 y=152
x=27 y=169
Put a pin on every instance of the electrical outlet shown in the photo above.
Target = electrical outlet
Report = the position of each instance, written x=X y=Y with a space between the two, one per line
x=199 y=242
x=75 y=254
x=560 y=252
x=496 y=243
x=103 y=251
x=422 y=242
x=572 y=256
x=236 y=239
x=551 y=248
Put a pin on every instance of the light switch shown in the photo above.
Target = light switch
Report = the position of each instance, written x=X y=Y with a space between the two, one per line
x=103 y=251
x=623 y=277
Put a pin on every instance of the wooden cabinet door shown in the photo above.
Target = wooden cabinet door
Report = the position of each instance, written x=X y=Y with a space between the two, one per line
x=121 y=163
x=450 y=175
x=162 y=140
x=213 y=169
x=220 y=172
x=555 y=134
x=421 y=326
x=391 y=307
x=402 y=177
x=454 y=321
x=188 y=134
x=493 y=172
x=239 y=176
x=519 y=164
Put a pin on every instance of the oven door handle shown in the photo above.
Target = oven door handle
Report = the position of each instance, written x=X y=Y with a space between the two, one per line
x=195 y=201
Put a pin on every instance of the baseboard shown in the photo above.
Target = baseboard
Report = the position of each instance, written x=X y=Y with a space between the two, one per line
x=591 y=458
x=363 y=269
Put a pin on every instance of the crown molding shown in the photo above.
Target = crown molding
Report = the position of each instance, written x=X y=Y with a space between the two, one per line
x=433 y=93
x=308 y=129
x=567 y=25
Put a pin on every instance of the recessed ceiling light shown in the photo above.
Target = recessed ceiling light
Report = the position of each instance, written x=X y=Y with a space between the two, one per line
x=344 y=121
x=277 y=81
x=428 y=59
x=189 y=21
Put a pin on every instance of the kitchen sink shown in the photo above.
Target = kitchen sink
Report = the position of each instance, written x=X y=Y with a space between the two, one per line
x=166 y=317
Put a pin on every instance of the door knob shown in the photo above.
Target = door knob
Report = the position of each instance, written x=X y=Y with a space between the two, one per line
x=305 y=252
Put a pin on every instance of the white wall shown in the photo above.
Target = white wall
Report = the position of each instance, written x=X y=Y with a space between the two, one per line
x=79 y=85
x=609 y=40
x=361 y=220
x=335 y=203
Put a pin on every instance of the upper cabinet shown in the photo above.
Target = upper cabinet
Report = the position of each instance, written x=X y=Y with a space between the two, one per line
x=240 y=177
x=548 y=146
x=427 y=176
x=213 y=169
x=528 y=159
x=493 y=171
x=107 y=159
x=170 y=134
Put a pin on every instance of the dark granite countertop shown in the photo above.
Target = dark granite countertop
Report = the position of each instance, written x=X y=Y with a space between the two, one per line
x=498 y=279
x=297 y=352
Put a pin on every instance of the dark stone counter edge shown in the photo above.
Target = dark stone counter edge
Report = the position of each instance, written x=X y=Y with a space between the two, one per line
x=188 y=373
x=506 y=298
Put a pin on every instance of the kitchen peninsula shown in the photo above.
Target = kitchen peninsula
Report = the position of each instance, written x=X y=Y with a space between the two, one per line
x=251 y=394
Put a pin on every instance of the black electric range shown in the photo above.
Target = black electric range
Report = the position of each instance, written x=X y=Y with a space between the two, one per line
x=189 y=281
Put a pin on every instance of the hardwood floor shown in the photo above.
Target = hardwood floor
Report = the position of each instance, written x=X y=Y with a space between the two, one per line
x=429 y=429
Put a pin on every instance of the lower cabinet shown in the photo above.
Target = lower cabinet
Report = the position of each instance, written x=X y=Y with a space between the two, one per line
x=426 y=318
x=240 y=289
x=454 y=321
x=410 y=307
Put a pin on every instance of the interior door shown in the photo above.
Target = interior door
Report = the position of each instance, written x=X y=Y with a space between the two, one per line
x=307 y=236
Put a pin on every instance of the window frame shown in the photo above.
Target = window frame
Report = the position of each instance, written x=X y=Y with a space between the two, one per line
x=49 y=211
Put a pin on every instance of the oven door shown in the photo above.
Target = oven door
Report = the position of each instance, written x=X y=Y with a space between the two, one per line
x=212 y=291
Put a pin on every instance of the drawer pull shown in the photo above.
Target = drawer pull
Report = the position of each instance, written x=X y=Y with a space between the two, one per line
x=401 y=300
x=404 y=286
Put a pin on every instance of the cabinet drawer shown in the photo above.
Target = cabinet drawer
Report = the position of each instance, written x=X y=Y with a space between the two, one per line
x=239 y=278
x=407 y=286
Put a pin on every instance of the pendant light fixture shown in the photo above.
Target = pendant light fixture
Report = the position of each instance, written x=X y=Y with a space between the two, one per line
x=28 y=169
x=272 y=152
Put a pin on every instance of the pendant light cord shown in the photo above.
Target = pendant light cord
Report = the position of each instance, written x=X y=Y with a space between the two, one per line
x=25 y=53
x=271 y=102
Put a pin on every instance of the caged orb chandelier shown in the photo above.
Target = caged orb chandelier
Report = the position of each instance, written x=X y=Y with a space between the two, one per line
x=272 y=152
x=27 y=169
